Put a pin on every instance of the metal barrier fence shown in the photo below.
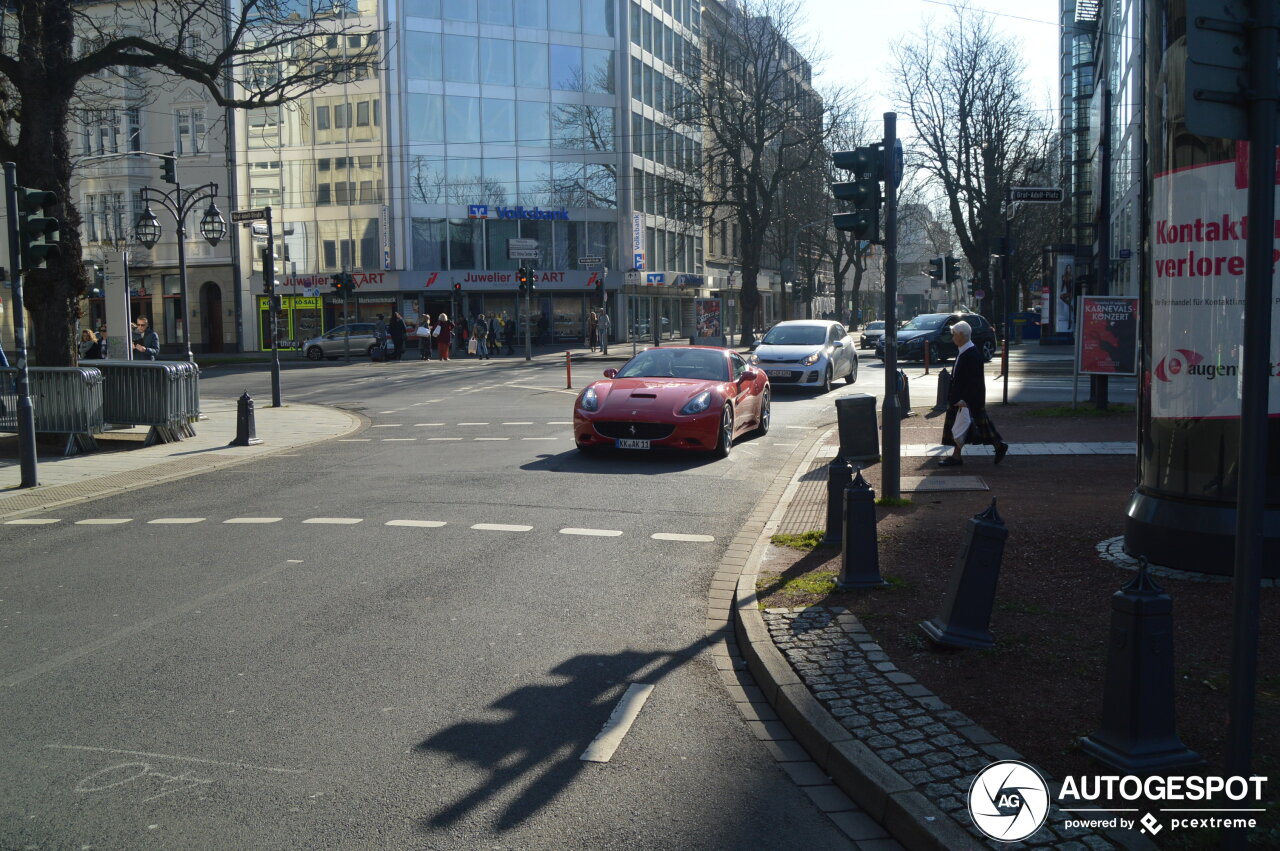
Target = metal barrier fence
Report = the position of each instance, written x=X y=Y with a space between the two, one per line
x=64 y=400
x=164 y=395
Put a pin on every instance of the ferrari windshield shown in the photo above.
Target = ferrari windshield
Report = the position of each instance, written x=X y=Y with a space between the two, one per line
x=796 y=335
x=702 y=364
x=926 y=322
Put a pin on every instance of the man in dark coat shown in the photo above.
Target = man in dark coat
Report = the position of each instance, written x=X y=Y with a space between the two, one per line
x=399 y=331
x=967 y=420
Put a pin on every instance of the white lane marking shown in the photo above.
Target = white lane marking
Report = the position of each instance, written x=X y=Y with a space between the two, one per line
x=624 y=715
x=444 y=438
x=104 y=521
x=599 y=533
x=676 y=536
x=388 y=412
x=253 y=520
x=335 y=521
x=354 y=439
x=472 y=423
x=527 y=423
x=418 y=524
x=539 y=438
x=492 y=438
x=32 y=521
x=176 y=521
x=400 y=439
x=389 y=425
x=561 y=422
x=421 y=425
x=500 y=527
x=802 y=428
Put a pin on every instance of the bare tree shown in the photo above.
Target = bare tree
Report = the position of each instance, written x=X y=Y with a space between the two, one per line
x=978 y=132
x=57 y=54
x=761 y=122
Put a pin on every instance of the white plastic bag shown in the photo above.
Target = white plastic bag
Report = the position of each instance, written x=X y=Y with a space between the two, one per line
x=961 y=427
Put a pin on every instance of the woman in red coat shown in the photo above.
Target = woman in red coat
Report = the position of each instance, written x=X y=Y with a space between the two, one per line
x=444 y=334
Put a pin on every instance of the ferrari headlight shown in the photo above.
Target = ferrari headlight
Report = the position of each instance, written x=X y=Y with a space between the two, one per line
x=698 y=403
x=589 y=401
x=813 y=358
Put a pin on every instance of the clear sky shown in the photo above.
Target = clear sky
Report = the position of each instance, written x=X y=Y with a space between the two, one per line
x=855 y=38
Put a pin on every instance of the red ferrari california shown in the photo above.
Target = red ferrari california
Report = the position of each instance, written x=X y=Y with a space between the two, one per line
x=693 y=397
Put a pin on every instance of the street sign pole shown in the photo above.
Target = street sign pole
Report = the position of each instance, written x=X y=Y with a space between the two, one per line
x=346 y=315
x=273 y=306
x=528 y=317
x=891 y=415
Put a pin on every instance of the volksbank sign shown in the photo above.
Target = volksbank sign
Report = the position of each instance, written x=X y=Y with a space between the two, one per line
x=482 y=211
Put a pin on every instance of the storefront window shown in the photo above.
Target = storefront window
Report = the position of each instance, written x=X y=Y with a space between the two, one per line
x=498 y=232
x=465 y=243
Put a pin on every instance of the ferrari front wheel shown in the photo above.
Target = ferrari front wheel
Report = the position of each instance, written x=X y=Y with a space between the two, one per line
x=725 y=442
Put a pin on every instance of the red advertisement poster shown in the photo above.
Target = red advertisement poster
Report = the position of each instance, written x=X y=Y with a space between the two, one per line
x=1108 y=335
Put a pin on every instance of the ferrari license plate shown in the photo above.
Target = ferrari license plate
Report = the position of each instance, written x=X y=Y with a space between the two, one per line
x=626 y=443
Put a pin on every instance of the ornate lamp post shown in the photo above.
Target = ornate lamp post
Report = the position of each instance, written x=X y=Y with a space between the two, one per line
x=179 y=203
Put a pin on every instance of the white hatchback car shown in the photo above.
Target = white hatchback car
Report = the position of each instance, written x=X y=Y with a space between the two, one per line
x=807 y=353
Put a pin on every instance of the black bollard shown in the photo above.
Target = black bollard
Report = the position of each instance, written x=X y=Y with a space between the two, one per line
x=1138 y=735
x=860 y=555
x=944 y=391
x=246 y=431
x=839 y=474
x=859 y=431
x=904 y=395
x=965 y=620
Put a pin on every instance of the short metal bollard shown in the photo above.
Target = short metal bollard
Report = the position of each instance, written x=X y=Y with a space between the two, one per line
x=246 y=430
x=839 y=475
x=965 y=620
x=944 y=390
x=860 y=555
x=859 y=431
x=904 y=395
x=1138 y=735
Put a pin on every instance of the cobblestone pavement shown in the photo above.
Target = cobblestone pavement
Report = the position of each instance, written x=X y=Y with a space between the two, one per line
x=934 y=747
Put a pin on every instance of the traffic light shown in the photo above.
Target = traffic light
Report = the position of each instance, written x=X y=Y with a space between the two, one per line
x=533 y=278
x=952 y=270
x=99 y=282
x=974 y=287
x=522 y=277
x=457 y=287
x=340 y=283
x=169 y=168
x=599 y=285
x=37 y=230
x=935 y=268
x=867 y=165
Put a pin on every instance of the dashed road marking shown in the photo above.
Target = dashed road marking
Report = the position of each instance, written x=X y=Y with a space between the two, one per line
x=598 y=533
x=418 y=524
x=354 y=439
x=253 y=520
x=539 y=438
x=519 y=423
x=561 y=422
x=422 y=425
x=462 y=424
x=104 y=521
x=388 y=412
x=388 y=425
x=676 y=536
x=32 y=521
x=176 y=521
x=500 y=527
x=398 y=439
x=335 y=521
x=492 y=438
x=624 y=715
x=444 y=438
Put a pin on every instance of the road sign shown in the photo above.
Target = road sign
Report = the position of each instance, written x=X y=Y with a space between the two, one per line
x=522 y=249
x=248 y=215
x=590 y=261
x=631 y=277
x=1036 y=194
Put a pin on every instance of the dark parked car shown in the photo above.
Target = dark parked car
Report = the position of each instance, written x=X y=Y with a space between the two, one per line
x=934 y=330
x=873 y=333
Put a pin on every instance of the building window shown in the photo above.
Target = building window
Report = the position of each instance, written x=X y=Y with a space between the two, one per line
x=322 y=118
x=362 y=114
x=191 y=131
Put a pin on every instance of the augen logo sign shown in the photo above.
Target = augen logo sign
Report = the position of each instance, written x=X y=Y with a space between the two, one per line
x=1173 y=365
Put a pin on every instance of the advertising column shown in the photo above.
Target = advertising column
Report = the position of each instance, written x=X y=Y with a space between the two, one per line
x=1182 y=513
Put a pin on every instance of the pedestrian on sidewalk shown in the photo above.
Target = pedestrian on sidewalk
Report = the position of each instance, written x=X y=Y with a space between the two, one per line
x=146 y=342
x=399 y=331
x=494 y=330
x=461 y=334
x=444 y=335
x=88 y=347
x=510 y=329
x=423 y=333
x=380 y=330
x=593 y=323
x=967 y=421
x=480 y=336
x=603 y=325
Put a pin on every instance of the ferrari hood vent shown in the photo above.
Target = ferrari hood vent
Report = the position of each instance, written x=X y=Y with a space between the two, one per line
x=644 y=395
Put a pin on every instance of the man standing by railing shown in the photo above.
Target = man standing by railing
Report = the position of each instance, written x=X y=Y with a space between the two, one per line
x=146 y=343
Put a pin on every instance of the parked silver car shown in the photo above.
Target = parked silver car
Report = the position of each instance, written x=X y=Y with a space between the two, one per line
x=332 y=344
x=807 y=353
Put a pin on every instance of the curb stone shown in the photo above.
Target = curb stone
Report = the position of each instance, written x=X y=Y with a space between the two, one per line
x=886 y=795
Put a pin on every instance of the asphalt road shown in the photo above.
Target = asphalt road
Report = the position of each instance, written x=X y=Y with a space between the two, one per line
x=401 y=640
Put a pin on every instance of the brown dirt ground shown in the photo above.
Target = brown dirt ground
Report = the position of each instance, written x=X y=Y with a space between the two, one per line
x=1040 y=689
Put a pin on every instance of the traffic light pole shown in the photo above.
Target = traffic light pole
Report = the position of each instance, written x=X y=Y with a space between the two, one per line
x=269 y=275
x=346 y=319
x=528 y=324
x=892 y=416
x=26 y=414
x=1004 y=289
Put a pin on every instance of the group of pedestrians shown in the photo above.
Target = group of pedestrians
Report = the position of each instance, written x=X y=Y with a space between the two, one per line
x=598 y=327
x=484 y=336
x=143 y=340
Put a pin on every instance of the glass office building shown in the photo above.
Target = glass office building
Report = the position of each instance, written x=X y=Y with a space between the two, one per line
x=491 y=121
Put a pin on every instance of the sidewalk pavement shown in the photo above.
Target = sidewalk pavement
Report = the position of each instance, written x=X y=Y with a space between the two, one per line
x=874 y=748
x=63 y=481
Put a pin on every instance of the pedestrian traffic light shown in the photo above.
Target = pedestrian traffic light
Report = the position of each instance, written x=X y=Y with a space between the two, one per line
x=37 y=230
x=867 y=165
x=169 y=168
x=533 y=278
x=952 y=270
x=935 y=268
x=599 y=284
x=457 y=287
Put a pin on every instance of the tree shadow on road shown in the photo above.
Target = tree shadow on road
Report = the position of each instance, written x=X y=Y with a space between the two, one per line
x=546 y=729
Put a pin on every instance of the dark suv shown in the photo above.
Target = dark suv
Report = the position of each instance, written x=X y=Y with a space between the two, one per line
x=934 y=330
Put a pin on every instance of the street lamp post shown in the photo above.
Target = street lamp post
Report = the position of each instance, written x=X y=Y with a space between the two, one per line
x=179 y=203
